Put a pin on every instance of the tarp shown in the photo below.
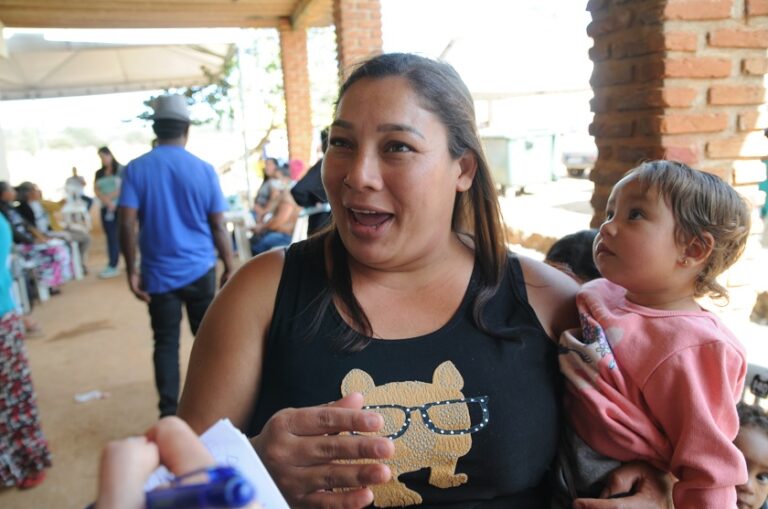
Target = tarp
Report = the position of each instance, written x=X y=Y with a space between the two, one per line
x=37 y=68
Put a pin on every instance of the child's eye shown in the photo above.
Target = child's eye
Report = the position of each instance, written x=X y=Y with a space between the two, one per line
x=608 y=214
x=397 y=146
x=635 y=214
x=762 y=477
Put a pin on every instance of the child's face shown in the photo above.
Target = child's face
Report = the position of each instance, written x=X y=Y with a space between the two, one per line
x=636 y=246
x=753 y=443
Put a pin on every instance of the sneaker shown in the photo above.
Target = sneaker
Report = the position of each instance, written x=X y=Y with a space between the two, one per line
x=109 y=272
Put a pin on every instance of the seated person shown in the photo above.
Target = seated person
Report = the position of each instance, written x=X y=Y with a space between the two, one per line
x=277 y=227
x=49 y=256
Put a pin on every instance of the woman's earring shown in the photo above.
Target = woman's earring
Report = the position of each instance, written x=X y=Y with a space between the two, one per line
x=684 y=261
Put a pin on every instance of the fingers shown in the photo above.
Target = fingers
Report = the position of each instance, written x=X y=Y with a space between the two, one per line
x=328 y=477
x=323 y=449
x=125 y=466
x=337 y=417
x=180 y=449
x=354 y=499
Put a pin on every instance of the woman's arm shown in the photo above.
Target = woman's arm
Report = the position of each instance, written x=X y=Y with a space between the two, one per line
x=299 y=447
x=225 y=365
x=552 y=295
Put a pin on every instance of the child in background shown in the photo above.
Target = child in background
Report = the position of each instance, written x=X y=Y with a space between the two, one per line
x=573 y=255
x=651 y=375
x=752 y=441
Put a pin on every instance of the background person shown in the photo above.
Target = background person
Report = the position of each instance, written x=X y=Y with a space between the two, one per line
x=412 y=289
x=573 y=255
x=752 y=441
x=177 y=200
x=106 y=185
x=309 y=191
x=24 y=453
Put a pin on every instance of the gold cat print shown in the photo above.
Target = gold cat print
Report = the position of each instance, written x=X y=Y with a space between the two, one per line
x=431 y=426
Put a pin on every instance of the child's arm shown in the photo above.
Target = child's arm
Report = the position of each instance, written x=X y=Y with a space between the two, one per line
x=692 y=394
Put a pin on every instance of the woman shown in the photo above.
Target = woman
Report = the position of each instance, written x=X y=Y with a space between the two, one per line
x=106 y=185
x=410 y=299
x=25 y=452
x=264 y=194
x=49 y=257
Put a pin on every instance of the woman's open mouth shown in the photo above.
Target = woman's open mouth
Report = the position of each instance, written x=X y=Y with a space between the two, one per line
x=369 y=218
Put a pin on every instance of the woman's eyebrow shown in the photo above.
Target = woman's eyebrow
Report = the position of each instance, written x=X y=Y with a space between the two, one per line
x=400 y=127
x=343 y=124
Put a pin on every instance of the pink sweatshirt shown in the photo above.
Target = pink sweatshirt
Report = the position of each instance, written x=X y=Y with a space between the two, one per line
x=658 y=386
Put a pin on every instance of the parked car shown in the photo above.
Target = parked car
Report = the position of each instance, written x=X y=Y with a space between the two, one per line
x=577 y=163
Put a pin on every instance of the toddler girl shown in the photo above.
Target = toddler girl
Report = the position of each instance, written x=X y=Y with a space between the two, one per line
x=652 y=376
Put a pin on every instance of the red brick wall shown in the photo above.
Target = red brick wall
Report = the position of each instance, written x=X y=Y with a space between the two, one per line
x=298 y=106
x=678 y=79
x=358 y=31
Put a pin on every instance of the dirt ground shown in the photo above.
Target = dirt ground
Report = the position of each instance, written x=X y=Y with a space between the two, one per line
x=96 y=336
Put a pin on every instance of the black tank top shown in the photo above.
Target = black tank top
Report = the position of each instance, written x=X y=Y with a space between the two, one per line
x=516 y=380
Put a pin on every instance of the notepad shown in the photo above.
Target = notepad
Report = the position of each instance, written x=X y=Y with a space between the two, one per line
x=229 y=446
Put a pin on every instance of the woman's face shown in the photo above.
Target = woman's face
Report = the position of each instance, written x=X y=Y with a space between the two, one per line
x=106 y=160
x=270 y=168
x=389 y=176
x=8 y=195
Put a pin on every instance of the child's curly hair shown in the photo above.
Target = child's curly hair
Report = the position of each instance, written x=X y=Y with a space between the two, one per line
x=701 y=202
x=752 y=415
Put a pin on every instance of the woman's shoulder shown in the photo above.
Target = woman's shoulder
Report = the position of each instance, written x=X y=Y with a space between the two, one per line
x=551 y=294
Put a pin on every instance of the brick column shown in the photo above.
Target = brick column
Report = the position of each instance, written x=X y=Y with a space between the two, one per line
x=358 y=31
x=678 y=79
x=298 y=106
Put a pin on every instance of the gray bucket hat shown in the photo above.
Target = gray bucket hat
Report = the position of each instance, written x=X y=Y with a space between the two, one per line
x=171 y=106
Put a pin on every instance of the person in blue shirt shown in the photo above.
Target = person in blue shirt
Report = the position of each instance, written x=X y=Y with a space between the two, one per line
x=177 y=200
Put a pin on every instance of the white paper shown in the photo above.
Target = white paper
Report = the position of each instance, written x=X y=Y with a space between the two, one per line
x=230 y=447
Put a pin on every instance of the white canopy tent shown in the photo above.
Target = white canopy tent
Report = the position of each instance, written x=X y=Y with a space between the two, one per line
x=32 y=67
x=37 y=68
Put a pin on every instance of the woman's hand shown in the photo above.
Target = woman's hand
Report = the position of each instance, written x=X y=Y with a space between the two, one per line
x=301 y=449
x=127 y=464
x=651 y=488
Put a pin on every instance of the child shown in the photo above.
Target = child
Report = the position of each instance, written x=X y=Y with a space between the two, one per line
x=752 y=440
x=572 y=254
x=654 y=376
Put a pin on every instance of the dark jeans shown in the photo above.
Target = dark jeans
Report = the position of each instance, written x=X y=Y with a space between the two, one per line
x=113 y=240
x=268 y=241
x=165 y=312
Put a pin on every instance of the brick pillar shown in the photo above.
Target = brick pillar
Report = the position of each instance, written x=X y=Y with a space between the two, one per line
x=298 y=106
x=678 y=79
x=358 y=31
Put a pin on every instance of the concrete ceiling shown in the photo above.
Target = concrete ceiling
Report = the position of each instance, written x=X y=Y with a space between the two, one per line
x=164 y=13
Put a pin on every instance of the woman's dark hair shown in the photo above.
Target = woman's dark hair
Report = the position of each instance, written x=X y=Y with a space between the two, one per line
x=4 y=186
x=476 y=211
x=169 y=128
x=115 y=165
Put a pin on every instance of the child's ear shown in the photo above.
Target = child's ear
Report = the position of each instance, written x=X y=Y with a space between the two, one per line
x=699 y=248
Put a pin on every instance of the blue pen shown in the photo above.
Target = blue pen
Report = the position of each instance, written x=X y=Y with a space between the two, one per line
x=225 y=488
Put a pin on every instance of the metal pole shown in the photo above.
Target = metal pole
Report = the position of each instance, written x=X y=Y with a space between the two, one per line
x=243 y=123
